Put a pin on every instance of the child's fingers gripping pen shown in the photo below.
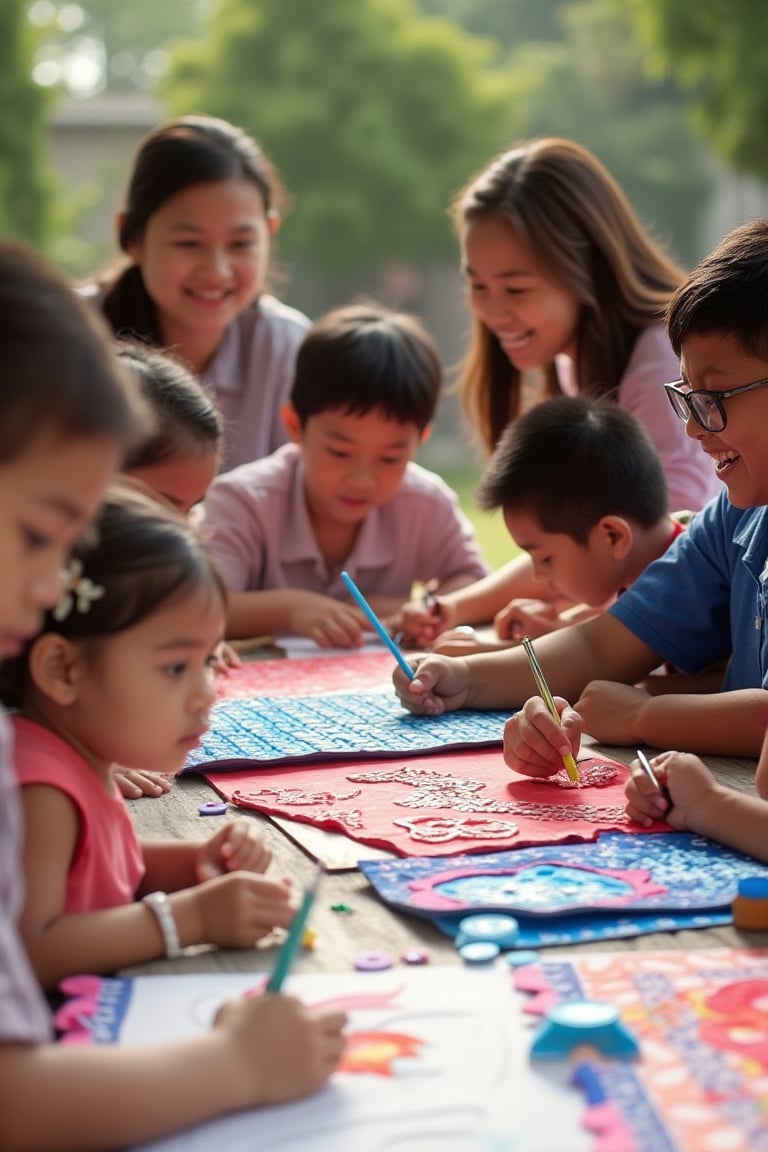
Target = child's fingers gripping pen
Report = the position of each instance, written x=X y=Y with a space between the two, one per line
x=569 y=762
x=645 y=764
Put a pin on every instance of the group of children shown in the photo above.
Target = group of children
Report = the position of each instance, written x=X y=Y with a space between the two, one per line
x=298 y=443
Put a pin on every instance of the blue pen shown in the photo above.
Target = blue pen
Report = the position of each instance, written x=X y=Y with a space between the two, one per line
x=376 y=624
x=295 y=935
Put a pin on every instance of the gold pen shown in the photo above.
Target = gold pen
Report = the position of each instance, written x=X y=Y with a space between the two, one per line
x=568 y=760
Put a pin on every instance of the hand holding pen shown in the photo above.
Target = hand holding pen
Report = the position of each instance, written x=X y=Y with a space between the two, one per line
x=543 y=689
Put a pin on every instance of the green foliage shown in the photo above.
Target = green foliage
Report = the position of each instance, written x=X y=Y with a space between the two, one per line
x=716 y=50
x=593 y=87
x=373 y=114
x=24 y=189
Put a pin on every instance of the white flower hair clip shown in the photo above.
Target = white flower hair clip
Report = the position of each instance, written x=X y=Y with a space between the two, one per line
x=77 y=591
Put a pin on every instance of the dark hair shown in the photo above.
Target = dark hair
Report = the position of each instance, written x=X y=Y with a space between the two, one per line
x=58 y=368
x=727 y=292
x=566 y=207
x=177 y=155
x=186 y=418
x=143 y=557
x=571 y=460
x=366 y=356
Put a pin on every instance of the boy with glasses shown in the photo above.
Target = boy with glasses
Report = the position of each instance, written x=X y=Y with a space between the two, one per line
x=700 y=603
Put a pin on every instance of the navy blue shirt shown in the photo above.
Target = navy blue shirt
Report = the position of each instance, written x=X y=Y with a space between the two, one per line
x=704 y=600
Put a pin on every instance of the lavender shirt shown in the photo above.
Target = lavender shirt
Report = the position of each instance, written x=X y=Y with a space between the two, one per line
x=691 y=478
x=261 y=537
x=24 y=1015
x=251 y=376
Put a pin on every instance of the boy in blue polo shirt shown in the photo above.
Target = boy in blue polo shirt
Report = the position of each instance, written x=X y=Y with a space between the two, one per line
x=702 y=602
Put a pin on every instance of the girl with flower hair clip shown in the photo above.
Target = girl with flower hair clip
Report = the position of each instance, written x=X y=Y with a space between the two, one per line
x=121 y=675
x=67 y=415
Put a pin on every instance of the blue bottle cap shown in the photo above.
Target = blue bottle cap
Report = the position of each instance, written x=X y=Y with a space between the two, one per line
x=479 y=952
x=521 y=958
x=574 y=1022
x=497 y=928
x=754 y=887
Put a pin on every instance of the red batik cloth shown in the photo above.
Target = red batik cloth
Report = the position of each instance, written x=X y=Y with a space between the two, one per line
x=467 y=801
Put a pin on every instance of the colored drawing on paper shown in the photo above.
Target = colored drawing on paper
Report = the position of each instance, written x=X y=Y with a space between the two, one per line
x=281 y=729
x=701 y=1018
x=467 y=801
x=430 y=1058
x=378 y=1052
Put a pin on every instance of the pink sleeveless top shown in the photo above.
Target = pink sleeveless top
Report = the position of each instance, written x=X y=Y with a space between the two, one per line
x=107 y=865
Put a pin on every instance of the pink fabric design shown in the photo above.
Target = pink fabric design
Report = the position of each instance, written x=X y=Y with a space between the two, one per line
x=308 y=676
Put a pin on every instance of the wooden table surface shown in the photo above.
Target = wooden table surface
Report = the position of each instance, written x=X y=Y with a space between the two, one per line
x=371 y=926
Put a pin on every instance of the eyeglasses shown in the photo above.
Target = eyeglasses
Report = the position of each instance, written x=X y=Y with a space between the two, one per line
x=705 y=406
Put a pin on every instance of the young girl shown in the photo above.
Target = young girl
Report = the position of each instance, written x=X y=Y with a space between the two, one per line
x=201 y=208
x=562 y=277
x=177 y=461
x=121 y=675
x=174 y=463
x=66 y=414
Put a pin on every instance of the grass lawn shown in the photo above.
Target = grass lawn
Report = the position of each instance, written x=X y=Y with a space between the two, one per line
x=494 y=539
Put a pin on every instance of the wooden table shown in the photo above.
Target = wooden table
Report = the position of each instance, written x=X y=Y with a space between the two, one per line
x=371 y=926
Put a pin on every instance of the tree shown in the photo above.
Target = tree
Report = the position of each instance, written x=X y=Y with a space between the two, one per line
x=593 y=86
x=24 y=189
x=716 y=50
x=374 y=115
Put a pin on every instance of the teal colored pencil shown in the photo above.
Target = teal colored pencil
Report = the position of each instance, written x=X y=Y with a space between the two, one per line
x=290 y=945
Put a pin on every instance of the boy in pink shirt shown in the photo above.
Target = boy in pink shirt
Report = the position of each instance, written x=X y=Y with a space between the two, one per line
x=345 y=493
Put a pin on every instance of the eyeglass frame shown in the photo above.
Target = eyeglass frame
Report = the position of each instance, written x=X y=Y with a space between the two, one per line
x=673 y=390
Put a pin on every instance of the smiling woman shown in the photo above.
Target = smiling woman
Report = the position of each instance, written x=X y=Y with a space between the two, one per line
x=202 y=207
x=562 y=277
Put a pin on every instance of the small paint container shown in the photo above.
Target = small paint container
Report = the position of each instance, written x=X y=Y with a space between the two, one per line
x=750 y=906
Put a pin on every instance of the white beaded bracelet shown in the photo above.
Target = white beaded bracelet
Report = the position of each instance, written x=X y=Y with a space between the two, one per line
x=160 y=905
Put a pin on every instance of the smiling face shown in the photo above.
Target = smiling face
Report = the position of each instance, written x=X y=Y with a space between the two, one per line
x=740 y=451
x=533 y=318
x=144 y=696
x=47 y=496
x=203 y=257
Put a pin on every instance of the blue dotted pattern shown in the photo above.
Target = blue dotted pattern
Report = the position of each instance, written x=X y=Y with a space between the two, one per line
x=699 y=878
x=271 y=730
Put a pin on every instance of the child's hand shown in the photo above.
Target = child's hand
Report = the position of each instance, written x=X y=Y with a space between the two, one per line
x=420 y=625
x=236 y=847
x=440 y=685
x=281 y=1050
x=225 y=657
x=526 y=618
x=236 y=910
x=534 y=743
x=612 y=712
x=464 y=641
x=133 y=783
x=692 y=790
x=330 y=623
